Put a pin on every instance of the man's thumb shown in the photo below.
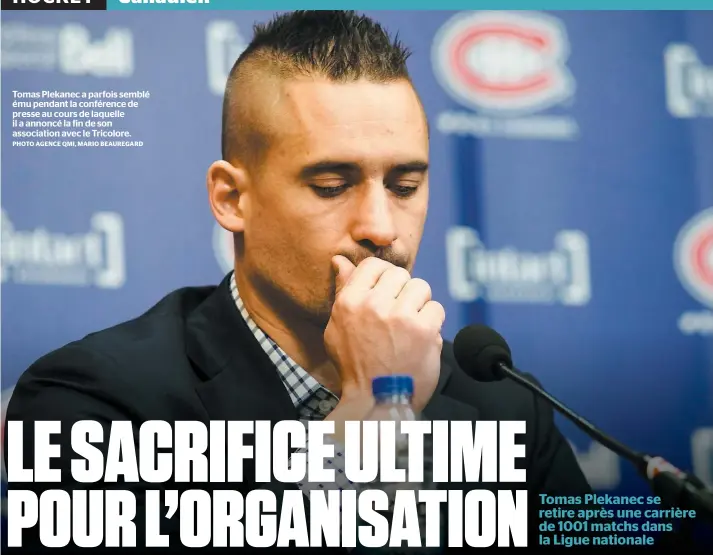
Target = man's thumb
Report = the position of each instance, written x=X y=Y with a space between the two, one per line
x=344 y=269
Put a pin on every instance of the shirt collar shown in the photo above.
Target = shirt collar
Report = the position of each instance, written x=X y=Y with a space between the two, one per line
x=311 y=398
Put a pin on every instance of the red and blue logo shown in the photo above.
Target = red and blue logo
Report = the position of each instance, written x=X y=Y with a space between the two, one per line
x=505 y=62
x=693 y=257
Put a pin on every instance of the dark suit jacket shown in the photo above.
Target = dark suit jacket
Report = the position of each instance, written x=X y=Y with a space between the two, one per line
x=192 y=357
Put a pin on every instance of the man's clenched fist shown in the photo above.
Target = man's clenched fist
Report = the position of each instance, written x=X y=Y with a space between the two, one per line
x=383 y=322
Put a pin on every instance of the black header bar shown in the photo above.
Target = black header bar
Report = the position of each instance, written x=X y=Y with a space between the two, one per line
x=54 y=4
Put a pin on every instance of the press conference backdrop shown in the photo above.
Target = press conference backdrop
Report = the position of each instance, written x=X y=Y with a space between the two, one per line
x=571 y=198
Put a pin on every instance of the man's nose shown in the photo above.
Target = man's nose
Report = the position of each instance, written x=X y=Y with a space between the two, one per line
x=373 y=221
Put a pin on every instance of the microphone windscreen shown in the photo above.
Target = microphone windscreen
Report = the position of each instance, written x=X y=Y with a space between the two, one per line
x=478 y=350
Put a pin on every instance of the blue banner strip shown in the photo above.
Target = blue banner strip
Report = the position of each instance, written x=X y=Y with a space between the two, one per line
x=409 y=5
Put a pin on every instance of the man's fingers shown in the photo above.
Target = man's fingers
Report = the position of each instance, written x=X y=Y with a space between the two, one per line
x=365 y=276
x=391 y=284
x=415 y=294
x=433 y=313
x=344 y=270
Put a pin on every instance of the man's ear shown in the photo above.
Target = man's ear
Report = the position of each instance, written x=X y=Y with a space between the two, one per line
x=226 y=187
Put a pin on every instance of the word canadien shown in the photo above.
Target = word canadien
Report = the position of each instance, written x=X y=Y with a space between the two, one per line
x=401 y=510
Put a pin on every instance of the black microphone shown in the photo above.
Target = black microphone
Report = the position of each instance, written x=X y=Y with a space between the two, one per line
x=484 y=355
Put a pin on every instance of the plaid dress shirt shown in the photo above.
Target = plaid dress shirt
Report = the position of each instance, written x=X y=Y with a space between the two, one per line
x=312 y=400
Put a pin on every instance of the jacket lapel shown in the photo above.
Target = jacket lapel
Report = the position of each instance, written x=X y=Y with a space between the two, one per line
x=240 y=382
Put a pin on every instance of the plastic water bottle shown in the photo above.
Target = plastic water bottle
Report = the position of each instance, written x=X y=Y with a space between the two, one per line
x=393 y=395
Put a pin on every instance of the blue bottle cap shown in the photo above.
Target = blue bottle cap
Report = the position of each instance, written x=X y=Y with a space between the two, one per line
x=396 y=384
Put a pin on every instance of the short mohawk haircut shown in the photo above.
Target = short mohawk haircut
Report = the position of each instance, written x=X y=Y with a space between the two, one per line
x=337 y=44
x=340 y=45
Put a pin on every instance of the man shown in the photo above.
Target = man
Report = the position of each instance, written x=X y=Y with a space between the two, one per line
x=324 y=183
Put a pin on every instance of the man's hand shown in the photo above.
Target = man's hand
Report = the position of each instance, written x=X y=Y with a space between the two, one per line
x=383 y=322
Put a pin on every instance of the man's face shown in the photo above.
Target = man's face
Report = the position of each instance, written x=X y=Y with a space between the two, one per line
x=345 y=173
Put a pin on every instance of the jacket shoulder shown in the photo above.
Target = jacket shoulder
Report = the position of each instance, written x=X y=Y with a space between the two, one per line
x=160 y=326
x=129 y=365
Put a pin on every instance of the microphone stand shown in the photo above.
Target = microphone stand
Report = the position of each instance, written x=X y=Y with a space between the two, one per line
x=676 y=489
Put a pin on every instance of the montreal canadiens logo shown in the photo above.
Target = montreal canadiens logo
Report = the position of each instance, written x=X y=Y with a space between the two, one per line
x=693 y=256
x=223 y=248
x=502 y=61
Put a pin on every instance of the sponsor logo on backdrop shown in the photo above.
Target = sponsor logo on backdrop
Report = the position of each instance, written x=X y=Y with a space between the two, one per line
x=510 y=68
x=702 y=454
x=693 y=261
x=42 y=257
x=223 y=248
x=110 y=56
x=223 y=46
x=600 y=466
x=689 y=83
x=69 y=49
x=510 y=275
